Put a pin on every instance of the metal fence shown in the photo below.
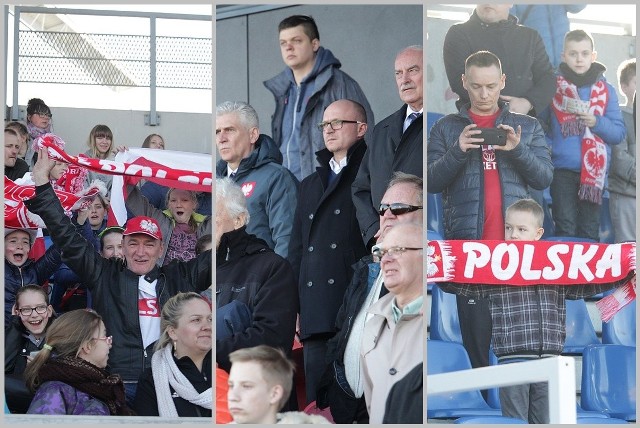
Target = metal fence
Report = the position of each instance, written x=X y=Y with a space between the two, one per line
x=66 y=57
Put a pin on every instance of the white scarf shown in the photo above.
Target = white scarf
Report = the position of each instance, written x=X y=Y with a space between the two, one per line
x=164 y=368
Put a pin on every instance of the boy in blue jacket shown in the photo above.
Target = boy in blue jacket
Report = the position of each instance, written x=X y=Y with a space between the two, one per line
x=584 y=121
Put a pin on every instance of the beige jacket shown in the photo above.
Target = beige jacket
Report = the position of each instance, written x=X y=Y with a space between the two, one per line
x=389 y=352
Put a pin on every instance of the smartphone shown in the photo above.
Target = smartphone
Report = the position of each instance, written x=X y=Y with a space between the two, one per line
x=492 y=136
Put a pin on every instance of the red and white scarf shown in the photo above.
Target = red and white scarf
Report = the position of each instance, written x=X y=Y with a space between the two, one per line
x=520 y=263
x=593 y=149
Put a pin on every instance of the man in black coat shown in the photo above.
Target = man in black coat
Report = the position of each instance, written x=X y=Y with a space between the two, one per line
x=325 y=240
x=128 y=293
x=531 y=83
x=396 y=145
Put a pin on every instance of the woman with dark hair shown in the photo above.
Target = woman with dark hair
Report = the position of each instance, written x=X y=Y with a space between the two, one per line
x=23 y=339
x=178 y=384
x=38 y=118
x=69 y=376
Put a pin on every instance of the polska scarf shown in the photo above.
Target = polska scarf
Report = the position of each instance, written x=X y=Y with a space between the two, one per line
x=166 y=373
x=520 y=263
x=89 y=379
x=35 y=132
x=72 y=180
x=593 y=150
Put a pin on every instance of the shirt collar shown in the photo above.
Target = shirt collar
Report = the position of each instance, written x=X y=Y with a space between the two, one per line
x=410 y=308
x=336 y=167
x=409 y=111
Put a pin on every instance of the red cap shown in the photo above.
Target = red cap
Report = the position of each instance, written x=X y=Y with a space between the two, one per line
x=142 y=224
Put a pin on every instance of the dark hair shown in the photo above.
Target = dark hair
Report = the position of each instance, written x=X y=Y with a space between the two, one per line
x=528 y=206
x=277 y=369
x=32 y=287
x=147 y=141
x=308 y=25
x=96 y=132
x=578 y=36
x=65 y=336
x=626 y=71
x=36 y=105
x=482 y=59
x=202 y=242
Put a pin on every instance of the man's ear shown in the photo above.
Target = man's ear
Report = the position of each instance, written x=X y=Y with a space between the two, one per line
x=315 y=44
x=254 y=134
x=275 y=395
x=464 y=81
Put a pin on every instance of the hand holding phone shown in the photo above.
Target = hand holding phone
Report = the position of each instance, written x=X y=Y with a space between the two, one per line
x=492 y=136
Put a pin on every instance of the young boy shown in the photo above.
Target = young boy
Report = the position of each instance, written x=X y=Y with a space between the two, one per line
x=528 y=321
x=583 y=121
x=260 y=382
x=19 y=270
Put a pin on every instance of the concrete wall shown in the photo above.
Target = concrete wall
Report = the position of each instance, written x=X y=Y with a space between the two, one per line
x=364 y=38
x=188 y=132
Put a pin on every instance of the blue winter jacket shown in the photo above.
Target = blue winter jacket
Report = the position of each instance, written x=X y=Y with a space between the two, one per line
x=460 y=176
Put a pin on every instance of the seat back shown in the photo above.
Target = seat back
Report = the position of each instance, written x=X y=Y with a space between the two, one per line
x=609 y=380
x=621 y=329
x=606 y=226
x=580 y=331
x=435 y=213
x=488 y=420
x=444 y=323
x=445 y=357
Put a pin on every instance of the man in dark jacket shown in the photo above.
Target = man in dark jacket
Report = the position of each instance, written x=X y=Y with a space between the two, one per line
x=479 y=181
x=396 y=145
x=14 y=167
x=253 y=161
x=325 y=240
x=128 y=293
x=341 y=386
x=249 y=272
x=303 y=90
x=531 y=82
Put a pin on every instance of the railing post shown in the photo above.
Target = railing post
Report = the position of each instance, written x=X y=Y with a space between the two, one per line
x=153 y=119
x=15 y=108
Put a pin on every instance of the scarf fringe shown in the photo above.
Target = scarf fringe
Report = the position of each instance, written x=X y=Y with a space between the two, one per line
x=572 y=127
x=590 y=193
x=610 y=305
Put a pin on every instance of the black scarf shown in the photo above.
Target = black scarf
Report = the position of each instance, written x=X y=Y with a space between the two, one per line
x=588 y=78
x=89 y=379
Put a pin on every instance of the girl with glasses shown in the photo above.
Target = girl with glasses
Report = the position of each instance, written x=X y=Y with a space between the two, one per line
x=69 y=376
x=24 y=337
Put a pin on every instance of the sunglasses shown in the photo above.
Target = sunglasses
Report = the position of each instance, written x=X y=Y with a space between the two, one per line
x=398 y=209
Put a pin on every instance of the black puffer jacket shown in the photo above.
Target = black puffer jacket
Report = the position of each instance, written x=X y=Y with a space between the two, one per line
x=249 y=271
x=114 y=288
x=460 y=176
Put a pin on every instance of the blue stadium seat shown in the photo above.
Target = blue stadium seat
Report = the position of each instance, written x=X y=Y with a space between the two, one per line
x=597 y=421
x=609 y=380
x=567 y=239
x=621 y=329
x=488 y=420
x=432 y=117
x=580 y=331
x=444 y=323
x=444 y=357
x=435 y=215
x=432 y=235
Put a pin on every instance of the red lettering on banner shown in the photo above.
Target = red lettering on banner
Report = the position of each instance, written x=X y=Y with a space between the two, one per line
x=148 y=307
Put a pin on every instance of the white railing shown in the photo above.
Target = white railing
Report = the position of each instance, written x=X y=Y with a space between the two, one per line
x=559 y=372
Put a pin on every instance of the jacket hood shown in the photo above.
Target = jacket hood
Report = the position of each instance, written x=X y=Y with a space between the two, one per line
x=265 y=151
x=324 y=59
x=238 y=243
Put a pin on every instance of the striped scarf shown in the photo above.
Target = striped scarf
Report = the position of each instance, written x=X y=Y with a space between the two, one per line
x=593 y=151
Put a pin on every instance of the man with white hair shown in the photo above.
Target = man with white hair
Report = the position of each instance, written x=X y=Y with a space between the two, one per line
x=390 y=344
x=254 y=162
x=249 y=276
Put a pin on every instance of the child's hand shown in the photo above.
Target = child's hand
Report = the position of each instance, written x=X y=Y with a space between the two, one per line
x=587 y=118
x=82 y=216
x=120 y=149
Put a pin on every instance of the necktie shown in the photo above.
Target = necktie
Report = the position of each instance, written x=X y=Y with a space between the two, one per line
x=409 y=120
x=232 y=175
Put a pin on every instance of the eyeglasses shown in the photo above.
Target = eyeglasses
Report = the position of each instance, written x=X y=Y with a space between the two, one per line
x=335 y=124
x=44 y=115
x=108 y=339
x=398 y=209
x=379 y=252
x=25 y=312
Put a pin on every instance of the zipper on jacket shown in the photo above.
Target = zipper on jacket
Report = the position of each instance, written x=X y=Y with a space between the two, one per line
x=293 y=130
